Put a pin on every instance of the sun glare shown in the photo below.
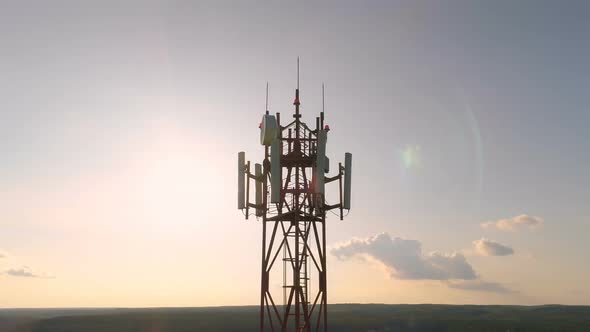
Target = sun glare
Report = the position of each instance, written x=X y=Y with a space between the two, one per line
x=174 y=181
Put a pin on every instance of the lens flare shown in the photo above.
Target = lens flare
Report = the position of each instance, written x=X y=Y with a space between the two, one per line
x=410 y=157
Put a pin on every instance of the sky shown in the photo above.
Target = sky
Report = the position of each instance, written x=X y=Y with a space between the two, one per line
x=120 y=123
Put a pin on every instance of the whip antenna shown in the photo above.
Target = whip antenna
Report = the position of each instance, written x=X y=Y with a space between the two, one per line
x=266 y=108
x=323 y=99
x=297 y=73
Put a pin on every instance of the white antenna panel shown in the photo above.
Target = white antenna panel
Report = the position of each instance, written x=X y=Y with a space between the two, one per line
x=321 y=161
x=241 y=180
x=258 y=173
x=275 y=171
x=268 y=129
x=347 y=179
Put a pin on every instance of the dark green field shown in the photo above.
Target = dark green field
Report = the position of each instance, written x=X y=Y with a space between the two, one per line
x=343 y=317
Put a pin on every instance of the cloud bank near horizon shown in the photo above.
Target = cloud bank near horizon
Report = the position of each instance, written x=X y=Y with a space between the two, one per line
x=480 y=285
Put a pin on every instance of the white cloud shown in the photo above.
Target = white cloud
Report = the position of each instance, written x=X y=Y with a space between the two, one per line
x=513 y=223
x=404 y=258
x=25 y=272
x=479 y=285
x=487 y=247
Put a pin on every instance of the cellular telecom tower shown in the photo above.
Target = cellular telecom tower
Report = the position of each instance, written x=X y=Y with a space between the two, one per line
x=290 y=202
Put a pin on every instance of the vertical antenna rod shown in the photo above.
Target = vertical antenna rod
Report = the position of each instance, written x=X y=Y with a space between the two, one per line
x=266 y=108
x=323 y=99
x=296 y=102
x=323 y=106
x=297 y=73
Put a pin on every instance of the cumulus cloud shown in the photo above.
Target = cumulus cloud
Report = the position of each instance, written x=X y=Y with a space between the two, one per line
x=487 y=247
x=25 y=272
x=479 y=285
x=404 y=258
x=513 y=223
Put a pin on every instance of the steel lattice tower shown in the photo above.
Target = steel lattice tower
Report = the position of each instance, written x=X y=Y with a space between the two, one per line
x=290 y=202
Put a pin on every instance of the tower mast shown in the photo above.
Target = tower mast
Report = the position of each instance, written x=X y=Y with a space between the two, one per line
x=293 y=210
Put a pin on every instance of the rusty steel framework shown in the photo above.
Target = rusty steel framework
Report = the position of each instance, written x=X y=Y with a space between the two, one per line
x=294 y=223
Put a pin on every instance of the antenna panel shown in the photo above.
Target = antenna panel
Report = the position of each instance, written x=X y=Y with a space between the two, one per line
x=275 y=171
x=321 y=161
x=258 y=173
x=268 y=129
x=241 y=180
x=347 y=179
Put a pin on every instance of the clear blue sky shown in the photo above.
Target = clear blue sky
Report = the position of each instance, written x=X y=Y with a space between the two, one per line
x=120 y=124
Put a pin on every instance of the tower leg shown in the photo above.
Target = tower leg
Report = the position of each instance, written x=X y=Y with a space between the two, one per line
x=263 y=279
x=325 y=277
